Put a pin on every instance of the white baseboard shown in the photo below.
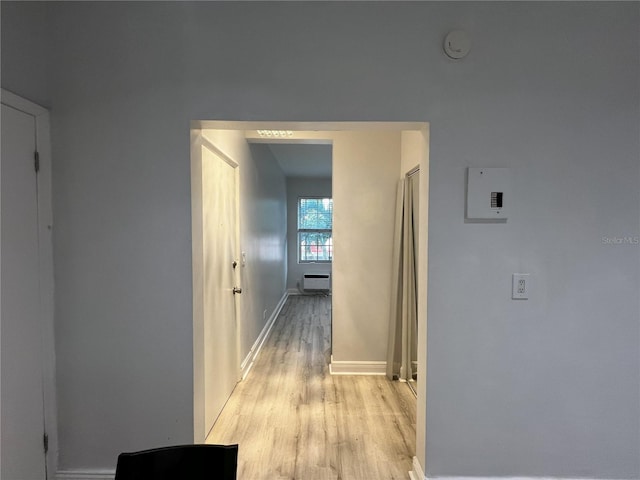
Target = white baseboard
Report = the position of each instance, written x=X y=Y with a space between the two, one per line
x=417 y=473
x=507 y=478
x=247 y=363
x=341 y=367
x=85 y=475
x=295 y=291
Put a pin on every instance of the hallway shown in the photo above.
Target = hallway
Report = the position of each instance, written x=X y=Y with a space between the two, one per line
x=293 y=420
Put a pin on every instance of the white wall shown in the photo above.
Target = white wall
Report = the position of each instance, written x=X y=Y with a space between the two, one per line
x=300 y=187
x=366 y=168
x=548 y=386
x=411 y=150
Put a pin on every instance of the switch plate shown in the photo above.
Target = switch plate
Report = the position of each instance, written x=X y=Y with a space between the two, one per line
x=520 y=286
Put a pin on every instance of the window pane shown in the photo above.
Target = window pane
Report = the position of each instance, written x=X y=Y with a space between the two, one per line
x=315 y=213
x=315 y=246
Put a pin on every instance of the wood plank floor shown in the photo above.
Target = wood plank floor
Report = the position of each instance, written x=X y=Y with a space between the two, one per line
x=293 y=420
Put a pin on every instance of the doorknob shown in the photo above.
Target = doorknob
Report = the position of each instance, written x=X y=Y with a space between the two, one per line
x=237 y=290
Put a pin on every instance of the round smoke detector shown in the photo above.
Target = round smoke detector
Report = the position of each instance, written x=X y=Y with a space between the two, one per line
x=457 y=44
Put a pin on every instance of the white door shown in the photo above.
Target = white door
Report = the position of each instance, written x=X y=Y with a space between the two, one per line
x=22 y=403
x=219 y=224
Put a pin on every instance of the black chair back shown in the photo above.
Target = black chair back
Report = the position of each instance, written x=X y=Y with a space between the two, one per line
x=181 y=462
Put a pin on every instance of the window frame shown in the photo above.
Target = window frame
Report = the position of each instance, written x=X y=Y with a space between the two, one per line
x=312 y=230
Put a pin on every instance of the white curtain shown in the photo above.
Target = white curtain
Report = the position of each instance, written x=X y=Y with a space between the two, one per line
x=403 y=325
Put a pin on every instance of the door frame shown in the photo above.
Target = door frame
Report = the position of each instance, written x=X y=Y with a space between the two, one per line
x=314 y=131
x=45 y=250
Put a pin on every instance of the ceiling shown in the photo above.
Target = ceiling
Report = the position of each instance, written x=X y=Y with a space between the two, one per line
x=303 y=160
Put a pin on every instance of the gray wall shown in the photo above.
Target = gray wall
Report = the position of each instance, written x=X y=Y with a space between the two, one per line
x=548 y=386
x=263 y=235
x=25 y=50
x=300 y=187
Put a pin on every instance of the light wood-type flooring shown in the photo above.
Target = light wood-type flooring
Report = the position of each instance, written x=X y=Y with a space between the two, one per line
x=293 y=420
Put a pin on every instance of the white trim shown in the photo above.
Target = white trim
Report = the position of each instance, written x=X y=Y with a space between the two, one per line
x=22 y=104
x=205 y=142
x=45 y=241
x=341 y=367
x=85 y=475
x=304 y=126
x=197 y=280
x=309 y=293
x=417 y=473
x=508 y=478
x=249 y=360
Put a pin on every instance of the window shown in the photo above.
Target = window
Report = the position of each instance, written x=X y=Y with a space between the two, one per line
x=315 y=222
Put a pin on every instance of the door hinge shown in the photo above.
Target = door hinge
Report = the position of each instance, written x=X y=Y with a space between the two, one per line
x=45 y=442
x=36 y=161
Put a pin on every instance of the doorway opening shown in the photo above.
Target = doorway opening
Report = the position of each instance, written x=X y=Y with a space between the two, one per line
x=368 y=158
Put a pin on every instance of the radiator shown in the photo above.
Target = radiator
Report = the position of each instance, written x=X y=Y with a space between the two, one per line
x=316 y=281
